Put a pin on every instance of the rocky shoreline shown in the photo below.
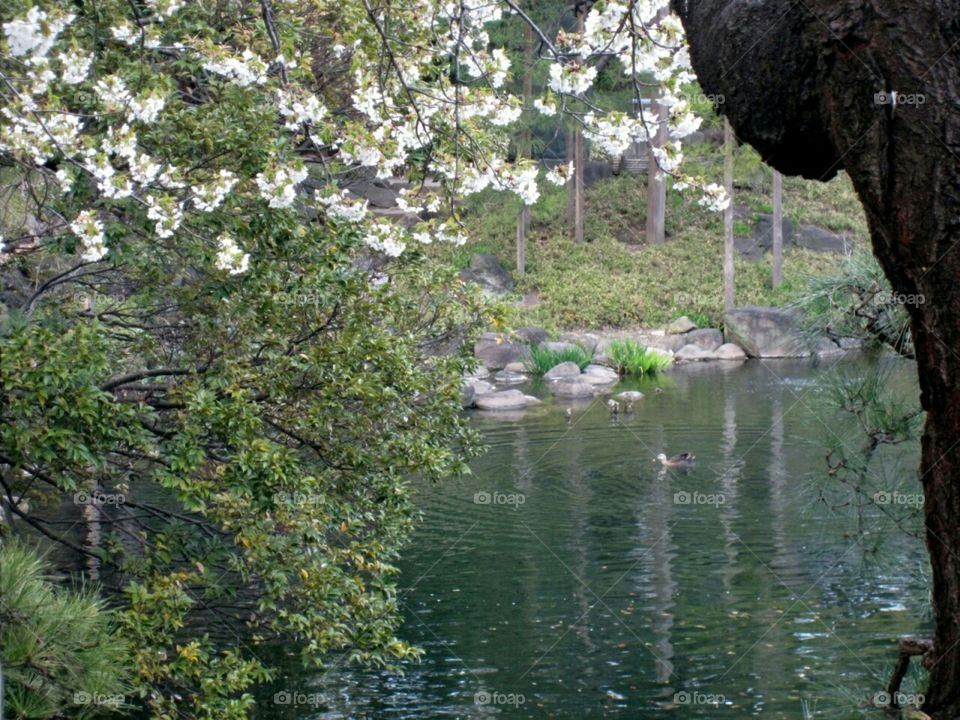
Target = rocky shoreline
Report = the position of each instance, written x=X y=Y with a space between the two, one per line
x=749 y=332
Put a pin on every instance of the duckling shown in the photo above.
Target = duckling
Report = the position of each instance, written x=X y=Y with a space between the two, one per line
x=614 y=407
x=629 y=408
x=681 y=460
x=658 y=390
x=569 y=413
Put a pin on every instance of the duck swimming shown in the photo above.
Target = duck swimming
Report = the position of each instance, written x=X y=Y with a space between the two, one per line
x=681 y=460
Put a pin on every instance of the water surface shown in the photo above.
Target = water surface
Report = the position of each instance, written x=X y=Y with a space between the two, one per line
x=571 y=577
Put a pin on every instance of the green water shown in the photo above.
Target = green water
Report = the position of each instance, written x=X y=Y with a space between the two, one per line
x=587 y=586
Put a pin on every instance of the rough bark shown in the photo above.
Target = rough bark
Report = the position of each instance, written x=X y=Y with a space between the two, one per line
x=809 y=85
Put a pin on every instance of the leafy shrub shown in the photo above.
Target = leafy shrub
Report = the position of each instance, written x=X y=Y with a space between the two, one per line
x=631 y=358
x=543 y=358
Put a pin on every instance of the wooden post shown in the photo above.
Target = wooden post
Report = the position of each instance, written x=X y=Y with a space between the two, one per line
x=728 y=248
x=777 y=229
x=578 y=185
x=656 y=182
x=523 y=222
x=579 y=189
x=525 y=145
x=570 y=155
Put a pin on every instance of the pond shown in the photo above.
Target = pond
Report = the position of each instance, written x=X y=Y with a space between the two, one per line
x=572 y=577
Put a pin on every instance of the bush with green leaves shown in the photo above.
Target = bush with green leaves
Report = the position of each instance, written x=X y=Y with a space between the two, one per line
x=542 y=358
x=62 y=652
x=631 y=358
x=210 y=355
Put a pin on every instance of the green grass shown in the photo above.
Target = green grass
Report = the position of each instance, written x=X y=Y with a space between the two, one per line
x=631 y=358
x=543 y=359
x=616 y=280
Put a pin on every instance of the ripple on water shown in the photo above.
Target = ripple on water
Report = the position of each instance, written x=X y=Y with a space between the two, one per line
x=569 y=570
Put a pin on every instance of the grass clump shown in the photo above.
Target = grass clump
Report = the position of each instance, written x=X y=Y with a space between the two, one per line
x=631 y=358
x=542 y=358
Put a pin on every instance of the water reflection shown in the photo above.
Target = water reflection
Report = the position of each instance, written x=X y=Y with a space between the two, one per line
x=618 y=589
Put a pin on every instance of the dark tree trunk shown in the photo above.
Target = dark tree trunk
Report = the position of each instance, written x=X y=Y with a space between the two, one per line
x=873 y=87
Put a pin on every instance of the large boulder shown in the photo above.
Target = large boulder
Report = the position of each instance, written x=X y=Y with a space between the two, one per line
x=560 y=346
x=495 y=351
x=468 y=395
x=508 y=377
x=572 y=388
x=503 y=400
x=477 y=374
x=827 y=348
x=533 y=335
x=588 y=341
x=813 y=237
x=487 y=272
x=681 y=325
x=601 y=376
x=693 y=353
x=706 y=338
x=729 y=351
x=601 y=371
x=563 y=370
x=480 y=387
x=765 y=332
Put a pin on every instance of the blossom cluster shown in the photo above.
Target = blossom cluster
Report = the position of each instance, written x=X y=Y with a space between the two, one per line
x=77 y=111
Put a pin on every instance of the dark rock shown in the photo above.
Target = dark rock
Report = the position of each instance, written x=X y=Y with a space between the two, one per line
x=496 y=352
x=487 y=272
x=533 y=335
x=468 y=395
x=816 y=238
x=809 y=237
x=377 y=194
